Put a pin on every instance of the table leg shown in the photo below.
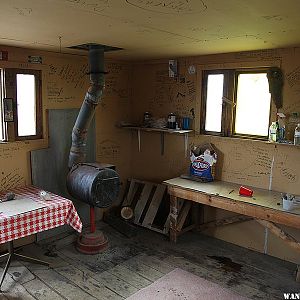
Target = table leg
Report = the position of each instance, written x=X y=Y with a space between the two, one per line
x=298 y=274
x=10 y=254
x=31 y=259
x=5 y=270
x=3 y=255
x=197 y=214
x=173 y=218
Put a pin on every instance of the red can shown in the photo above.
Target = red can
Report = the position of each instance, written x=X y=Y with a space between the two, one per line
x=245 y=191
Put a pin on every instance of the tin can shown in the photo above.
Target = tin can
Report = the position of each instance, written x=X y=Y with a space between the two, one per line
x=186 y=123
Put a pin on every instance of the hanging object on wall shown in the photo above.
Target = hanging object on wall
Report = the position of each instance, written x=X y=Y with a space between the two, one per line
x=8 y=110
x=173 y=68
x=191 y=69
x=34 y=59
x=3 y=55
x=275 y=78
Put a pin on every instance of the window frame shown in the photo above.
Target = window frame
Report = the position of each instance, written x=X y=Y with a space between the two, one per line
x=12 y=127
x=228 y=107
x=2 y=95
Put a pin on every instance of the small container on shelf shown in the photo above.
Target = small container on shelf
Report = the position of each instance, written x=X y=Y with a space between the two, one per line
x=274 y=132
x=186 y=123
x=171 y=121
x=147 y=119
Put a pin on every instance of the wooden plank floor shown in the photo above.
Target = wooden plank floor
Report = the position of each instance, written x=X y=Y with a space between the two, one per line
x=131 y=264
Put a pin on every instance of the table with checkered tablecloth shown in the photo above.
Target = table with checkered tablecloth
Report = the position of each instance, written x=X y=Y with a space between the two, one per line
x=56 y=212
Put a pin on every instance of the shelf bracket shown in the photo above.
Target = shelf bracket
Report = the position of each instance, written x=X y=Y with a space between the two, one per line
x=162 y=143
x=139 y=139
x=186 y=143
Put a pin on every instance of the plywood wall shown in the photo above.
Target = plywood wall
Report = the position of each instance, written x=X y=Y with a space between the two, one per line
x=253 y=163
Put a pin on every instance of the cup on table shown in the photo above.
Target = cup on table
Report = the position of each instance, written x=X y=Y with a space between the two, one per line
x=244 y=191
x=287 y=204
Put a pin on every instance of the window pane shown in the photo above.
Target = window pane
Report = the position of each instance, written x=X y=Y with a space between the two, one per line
x=26 y=104
x=1 y=107
x=253 y=104
x=214 y=102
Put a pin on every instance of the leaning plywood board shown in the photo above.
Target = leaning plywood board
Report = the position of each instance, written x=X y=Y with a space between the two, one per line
x=49 y=166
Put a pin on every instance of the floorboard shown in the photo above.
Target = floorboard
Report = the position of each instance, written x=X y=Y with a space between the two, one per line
x=131 y=264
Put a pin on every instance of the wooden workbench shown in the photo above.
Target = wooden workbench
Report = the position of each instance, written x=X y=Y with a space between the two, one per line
x=265 y=206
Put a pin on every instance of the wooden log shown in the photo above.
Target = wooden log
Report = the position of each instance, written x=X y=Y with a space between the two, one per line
x=291 y=241
x=226 y=221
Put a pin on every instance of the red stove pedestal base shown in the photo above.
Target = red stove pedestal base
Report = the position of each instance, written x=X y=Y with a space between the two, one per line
x=92 y=243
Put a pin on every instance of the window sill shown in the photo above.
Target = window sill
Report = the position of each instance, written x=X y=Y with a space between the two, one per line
x=245 y=139
x=284 y=144
x=32 y=144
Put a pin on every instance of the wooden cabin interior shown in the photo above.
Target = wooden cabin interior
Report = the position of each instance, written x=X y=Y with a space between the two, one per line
x=171 y=83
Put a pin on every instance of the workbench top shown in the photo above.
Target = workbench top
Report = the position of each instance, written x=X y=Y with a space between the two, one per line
x=261 y=197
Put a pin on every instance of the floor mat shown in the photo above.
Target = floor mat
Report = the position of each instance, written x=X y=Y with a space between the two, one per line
x=179 y=284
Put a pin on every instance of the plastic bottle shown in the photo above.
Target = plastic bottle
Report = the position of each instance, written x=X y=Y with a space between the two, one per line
x=273 y=132
x=281 y=127
x=297 y=135
x=282 y=133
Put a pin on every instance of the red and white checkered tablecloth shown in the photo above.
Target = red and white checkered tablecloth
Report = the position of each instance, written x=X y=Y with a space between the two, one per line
x=57 y=212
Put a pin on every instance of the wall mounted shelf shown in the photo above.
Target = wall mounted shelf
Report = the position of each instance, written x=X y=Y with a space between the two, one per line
x=162 y=132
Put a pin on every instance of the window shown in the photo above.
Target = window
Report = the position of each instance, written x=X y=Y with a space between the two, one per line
x=24 y=88
x=236 y=103
x=215 y=84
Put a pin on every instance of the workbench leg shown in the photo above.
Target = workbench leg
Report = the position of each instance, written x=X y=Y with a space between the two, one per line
x=162 y=143
x=173 y=218
x=197 y=214
x=139 y=140
x=298 y=274
x=186 y=144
